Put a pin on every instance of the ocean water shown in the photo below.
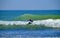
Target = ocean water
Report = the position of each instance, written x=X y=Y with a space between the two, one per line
x=18 y=33
x=10 y=14
x=48 y=23
x=30 y=33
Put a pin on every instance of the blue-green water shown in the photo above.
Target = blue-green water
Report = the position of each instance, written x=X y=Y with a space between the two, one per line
x=30 y=33
x=10 y=14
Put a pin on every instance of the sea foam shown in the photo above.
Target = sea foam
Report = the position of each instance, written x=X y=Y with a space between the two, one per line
x=47 y=22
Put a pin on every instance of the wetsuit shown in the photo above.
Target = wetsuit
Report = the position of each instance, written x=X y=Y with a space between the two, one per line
x=30 y=21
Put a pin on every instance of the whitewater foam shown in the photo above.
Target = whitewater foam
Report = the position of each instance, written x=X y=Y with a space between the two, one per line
x=47 y=22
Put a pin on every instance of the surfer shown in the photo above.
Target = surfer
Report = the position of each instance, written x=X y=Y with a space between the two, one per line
x=30 y=21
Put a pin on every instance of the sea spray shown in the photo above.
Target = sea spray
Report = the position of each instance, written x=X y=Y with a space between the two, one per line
x=47 y=22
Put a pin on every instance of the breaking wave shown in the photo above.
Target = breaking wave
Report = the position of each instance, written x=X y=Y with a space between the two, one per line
x=47 y=22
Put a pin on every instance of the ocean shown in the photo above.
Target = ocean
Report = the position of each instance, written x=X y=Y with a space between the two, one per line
x=42 y=33
x=24 y=33
x=10 y=14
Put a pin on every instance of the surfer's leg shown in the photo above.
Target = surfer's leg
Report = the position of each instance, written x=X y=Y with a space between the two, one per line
x=29 y=23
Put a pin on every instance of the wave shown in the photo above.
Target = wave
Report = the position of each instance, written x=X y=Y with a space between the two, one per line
x=47 y=22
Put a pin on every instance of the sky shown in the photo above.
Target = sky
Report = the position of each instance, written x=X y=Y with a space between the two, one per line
x=29 y=4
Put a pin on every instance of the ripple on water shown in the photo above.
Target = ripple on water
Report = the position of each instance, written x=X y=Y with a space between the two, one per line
x=30 y=33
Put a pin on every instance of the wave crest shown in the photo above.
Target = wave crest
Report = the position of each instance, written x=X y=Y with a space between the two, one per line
x=47 y=22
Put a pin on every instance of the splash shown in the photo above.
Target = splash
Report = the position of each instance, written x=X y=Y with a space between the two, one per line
x=47 y=22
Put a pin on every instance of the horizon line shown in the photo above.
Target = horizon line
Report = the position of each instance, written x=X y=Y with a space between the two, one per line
x=9 y=10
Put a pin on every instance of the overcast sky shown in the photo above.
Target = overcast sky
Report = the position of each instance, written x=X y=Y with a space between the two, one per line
x=29 y=4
